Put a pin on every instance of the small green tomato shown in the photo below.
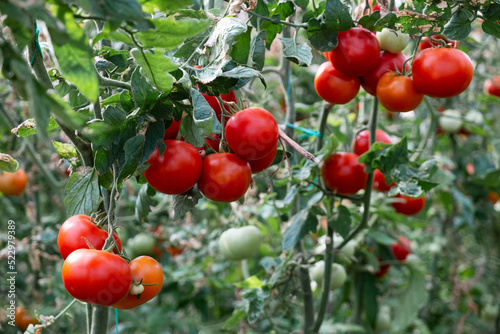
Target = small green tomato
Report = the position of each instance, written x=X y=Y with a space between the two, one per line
x=450 y=120
x=393 y=41
x=240 y=243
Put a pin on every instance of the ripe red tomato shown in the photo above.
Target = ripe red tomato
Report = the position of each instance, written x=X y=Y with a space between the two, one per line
x=23 y=319
x=177 y=170
x=333 y=86
x=357 y=52
x=343 y=174
x=147 y=270
x=492 y=86
x=172 y=131
x=252 y=133
x=213 y=142
x=492 y=197
x=96 y=277
x=401 y=249
x=260 y=164
x=398 y=93
x=362 y=142
x=388 y=62
x=382 y=270
x=379 y=183
x=73 y=231
x=225 y=177
x=13 y=184
x=442 y=72
x=426 y=42
x=408 y=206
x=214 y=103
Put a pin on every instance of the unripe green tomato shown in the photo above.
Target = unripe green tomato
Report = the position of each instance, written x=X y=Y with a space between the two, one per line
x=141 y=244
x=474 y=117
x=393 y=41
x=490 y=312
x=240 y=243
x=338 y=277
x=349 y=248
x=383 y=321
x=450 y=120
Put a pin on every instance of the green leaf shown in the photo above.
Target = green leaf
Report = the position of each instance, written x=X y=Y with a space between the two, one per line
x=241 y=49
x=272 y=29
x=65 y=151
x=342 y=222
x=191 y=133
x=491 y=27
x=104 y=159
x=370 y=21
x=492 y=12
x=28 y=127
x=241 y=72
x=74 y=55
x=322 y=37
x=258 y=50
x=144 y=202
x=8 y=164
x=190 y=45
x=156 y=67
x=133 y=148
x=203 y=114
x=299 y=54
x=186 y=202
x=302 y=223
x=459 y=27
x=337 y=15
x=252 y=282
x=366 y=290
x=143 y=94
x=385 y=156
x=112 y=100
x=82 y=193
x=164 y=5
x=235 y=319
x=381 y=237
x=154 y=133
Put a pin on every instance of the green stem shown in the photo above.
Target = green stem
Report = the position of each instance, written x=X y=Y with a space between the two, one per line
x=286 y=23
x=391 y=5
x=89 y=316
x=99 y=319
x=107 y=82
x=111 y=208
x=326 y=280
x=430 y=131
x=323 y=117
x=244 y=269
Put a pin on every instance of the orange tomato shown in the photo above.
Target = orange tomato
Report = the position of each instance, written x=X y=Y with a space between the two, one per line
x=13 y=184
x=23 y=319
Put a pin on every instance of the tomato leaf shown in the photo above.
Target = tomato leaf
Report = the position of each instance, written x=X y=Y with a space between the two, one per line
x=144 y=202
x=459 y=27
x=65 y=151
x=342 y=222
x=156 y=67
x=203 y=114
x=164 y=6
x=133 y=149
x=302 y=223
x=370 y=21
x=235 y=319
x=82 y=193
x=8 y=164
x=367 y=291
x=337 y=16
x=190 y=45
x=250 y=283
x=191 y=133
x=299 y=54
x=143 y=94
x=258 y=50
x=491 y=27
x=322 y=37
x=186 y=202
x=241 y=49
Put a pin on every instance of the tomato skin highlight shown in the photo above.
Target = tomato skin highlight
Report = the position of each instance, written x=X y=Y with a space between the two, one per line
x=73 y=231
x=357 y=52
x=492 y=86
x=148 y=270
x=401 y=249
x=343 y=174
x=96 y=277
x=388 y=62
x=13 y=184
x=379 y=183
x=333 y=86
x=225 y=177
x=252 y=133
x=362 y=142
x=442 y=72
x=398 y=93
x=260 y=164
x=408 y=206
x=177 y=170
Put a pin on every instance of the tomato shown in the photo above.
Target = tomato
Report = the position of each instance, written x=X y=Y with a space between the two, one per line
x=383 y=320
x=392 y=41
x=174 y=251
x=172 y=131
x=23 y=319
x=96 y=277
x=426 y=42
x=149 y=271
x=252 y=133
x=260 y=164
x=177 y=170
x=442 y=72
x=492 y=86
x=362 y=142
x=388 y=62
x=140 y=244
x=338 y=276
x=343 y=174
x=213 y=142
x=401 y=249
x=13 y=184
x=349 y=248
x=357 y=52
x=382 y=270
x=408 y=206
x=214 y=103
x=450 y=121
x=225 y=177
x=379 y=183
x=333 y=86
x=240 y=243
x=398 y=93
x=493 y=197
x=73 y=231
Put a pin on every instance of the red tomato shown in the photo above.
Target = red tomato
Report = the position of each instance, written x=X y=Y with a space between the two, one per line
x=493 y=197
x=75 y=229
x=333 y=86
x=492 y=86
x=172 y=131
x=252 y=133
x=362 y=142
x=13 y=184
x=398 y=93
x=383 y=270
x=225 y=177
x=96 y=277
x=442 y=72
x=177 y=170
x=23 y=319
x=343 y=174
x=408 y=206
x=173 y=251
x=388 y=62
x=379 y=183
x=327 y=55
x=214 y=103
x=401 y=249
x=357 y=52
x=260 y=164
x=426 y=42
x=147 y=270
x=213 y=142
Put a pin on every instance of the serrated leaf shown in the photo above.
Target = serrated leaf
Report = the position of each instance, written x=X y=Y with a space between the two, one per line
x=143 y=94
x=186 y=202
x=28 y=127
x=65 y=151
x=242 y=72
x=337 y=15
x=370 y=21
x=143 y=204
x=492 y=12
x=156 y=67
x=385 y=156
x=299 y=54
x=133 y=148
x=342 y=222
x=459 y=27
x=190 y=45
x=322 y=37
x=8 y=164
x=302 y=223
x=82 y=194
x=241 y=49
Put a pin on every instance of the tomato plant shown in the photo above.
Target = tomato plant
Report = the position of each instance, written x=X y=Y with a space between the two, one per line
x=148 y=273
x=388 y=62
x=240 y=243
x=408 y=206
x=76 y=229
x=398 y=93
x=96 y=277
x=177 y=170
x=225 y=177
x=362 y=142
x=401 y=249
x=392 y=41
x=343 y=174
x=13 y=184
x=334 y=86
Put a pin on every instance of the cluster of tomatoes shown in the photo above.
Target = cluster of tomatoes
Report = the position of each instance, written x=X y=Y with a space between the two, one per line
x=252 y=136
x=100 y=277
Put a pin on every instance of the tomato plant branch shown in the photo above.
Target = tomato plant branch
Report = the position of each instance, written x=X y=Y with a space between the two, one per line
x=111 y=207
x=286 y=23
x=323 y=117
x=107 y=82
x=88 y=317
x=293 y=144
x=430 y=130
x=99 y=319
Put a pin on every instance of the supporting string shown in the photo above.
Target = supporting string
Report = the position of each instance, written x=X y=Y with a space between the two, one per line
x=116 y=320
x=308 y=132
x=37 y=47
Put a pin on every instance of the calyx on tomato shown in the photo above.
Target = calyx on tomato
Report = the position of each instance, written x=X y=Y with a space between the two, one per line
x=426 y=42
x=398 y=93
x=240 y=243
x=214 y=103
x=388 y=62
